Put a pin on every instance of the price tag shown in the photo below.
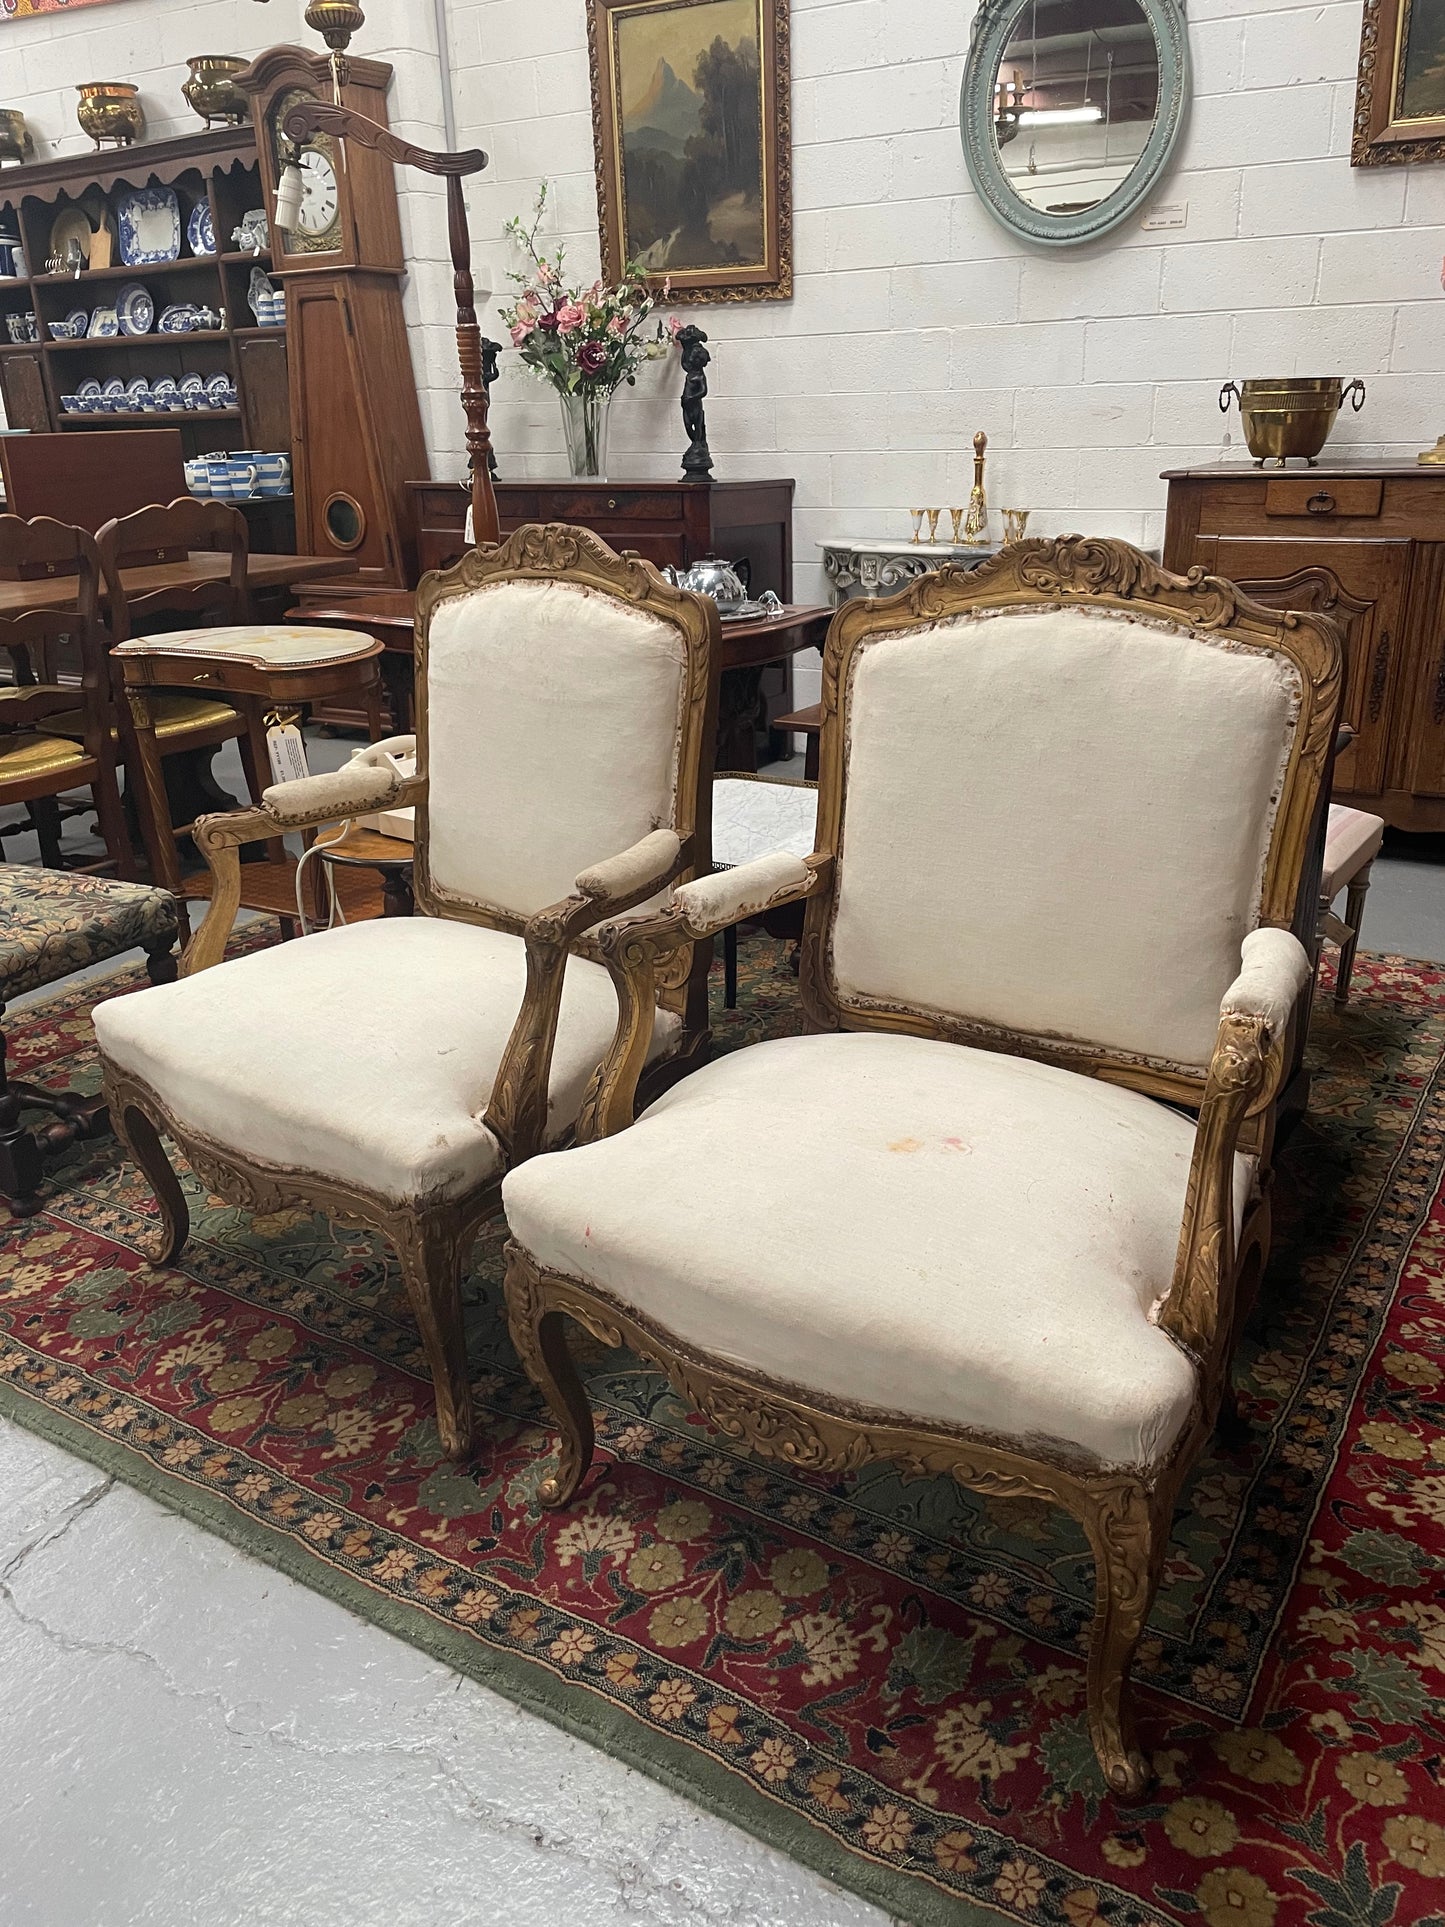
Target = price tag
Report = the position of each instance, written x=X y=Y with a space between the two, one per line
x=287 y=750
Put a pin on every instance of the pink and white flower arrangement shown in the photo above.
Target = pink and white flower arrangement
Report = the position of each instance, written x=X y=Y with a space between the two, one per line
x=580 y=339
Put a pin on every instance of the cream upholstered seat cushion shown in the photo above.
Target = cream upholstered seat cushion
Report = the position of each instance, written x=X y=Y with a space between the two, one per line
x=1353 y=838
x=1056 y=821
x=952 y=1234
x=365 y=1054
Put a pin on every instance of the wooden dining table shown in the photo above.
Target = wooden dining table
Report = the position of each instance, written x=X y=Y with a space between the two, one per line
x=20 y=595
x=747 y=647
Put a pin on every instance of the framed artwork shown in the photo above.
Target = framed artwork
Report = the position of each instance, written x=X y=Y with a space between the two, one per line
x=1400 y=102
x=26 y=9
x=690 y=119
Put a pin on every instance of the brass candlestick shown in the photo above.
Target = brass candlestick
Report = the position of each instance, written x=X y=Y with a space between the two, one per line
x=1435 y=454
x=975 y=523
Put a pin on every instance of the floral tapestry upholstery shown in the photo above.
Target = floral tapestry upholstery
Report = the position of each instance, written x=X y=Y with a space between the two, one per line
x=53 y=922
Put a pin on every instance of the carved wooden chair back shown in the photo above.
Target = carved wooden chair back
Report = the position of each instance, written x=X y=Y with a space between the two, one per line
x=168 y=532
x=1060 y=789
x=566 y=704
x=42 y=647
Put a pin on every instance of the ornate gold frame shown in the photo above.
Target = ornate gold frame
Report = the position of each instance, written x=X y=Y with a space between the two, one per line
x=773 y=279
x=1125 y=1514
x=433 y=1239
x=1379 y=139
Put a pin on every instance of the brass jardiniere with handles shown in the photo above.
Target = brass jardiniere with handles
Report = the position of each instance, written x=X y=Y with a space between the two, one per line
x=1290 y=414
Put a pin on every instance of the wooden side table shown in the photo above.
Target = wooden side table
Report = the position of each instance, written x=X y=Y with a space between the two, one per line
x=257 y=668
x=389 y=856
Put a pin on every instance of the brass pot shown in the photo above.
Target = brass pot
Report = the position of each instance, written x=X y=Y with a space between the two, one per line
x=212 y=92
x=110 y=110
x=1290 y=414
x=15 y=141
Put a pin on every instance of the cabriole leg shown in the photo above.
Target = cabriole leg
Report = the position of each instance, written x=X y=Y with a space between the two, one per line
x=541 y=1342
x=432 y=1260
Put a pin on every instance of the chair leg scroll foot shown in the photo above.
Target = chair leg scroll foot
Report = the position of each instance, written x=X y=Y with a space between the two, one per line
x=541 y=1342
x=142 y=1140
x=1128 y=1540
x=432 y=1261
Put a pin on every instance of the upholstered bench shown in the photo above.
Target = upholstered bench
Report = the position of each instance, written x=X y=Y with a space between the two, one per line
x=755 y=816
x=51 y=923
x=1352 y=842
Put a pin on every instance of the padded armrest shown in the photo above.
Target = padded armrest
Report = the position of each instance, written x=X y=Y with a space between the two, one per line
x=1274 y=970
x=711 y=903
x=648 y=862
x=348 y=791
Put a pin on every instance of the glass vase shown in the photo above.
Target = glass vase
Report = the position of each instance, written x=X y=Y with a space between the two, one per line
x=584 y=423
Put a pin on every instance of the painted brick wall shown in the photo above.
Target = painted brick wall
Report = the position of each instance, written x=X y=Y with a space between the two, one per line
x=916 y=320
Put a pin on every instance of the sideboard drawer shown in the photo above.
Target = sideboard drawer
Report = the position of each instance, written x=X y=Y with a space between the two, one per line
x=560 y=504
x=1303 y=495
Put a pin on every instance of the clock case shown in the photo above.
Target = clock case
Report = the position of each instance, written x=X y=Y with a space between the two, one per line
x=355 y=419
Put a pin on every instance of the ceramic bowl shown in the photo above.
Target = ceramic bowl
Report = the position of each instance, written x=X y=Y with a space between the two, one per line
x=64 y=331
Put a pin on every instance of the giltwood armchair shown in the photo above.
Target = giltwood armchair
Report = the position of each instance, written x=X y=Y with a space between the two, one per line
x=392 y=1070
x=1000 y=1217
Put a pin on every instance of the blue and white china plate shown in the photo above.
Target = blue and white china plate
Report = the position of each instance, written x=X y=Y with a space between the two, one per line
x=134 y=309
x=103 y=324
x=149 y=223
x=88 y=390
x=137 y=393
x=79 y=321
x=193 y=390
x=178 y=319
x=200 y=234
x=113 y=394
x=219 y=392
x=166 y=393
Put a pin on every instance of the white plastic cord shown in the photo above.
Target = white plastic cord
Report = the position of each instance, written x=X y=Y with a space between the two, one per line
x=337 y=915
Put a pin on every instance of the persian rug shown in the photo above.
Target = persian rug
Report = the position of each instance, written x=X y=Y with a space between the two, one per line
x=883 y=1677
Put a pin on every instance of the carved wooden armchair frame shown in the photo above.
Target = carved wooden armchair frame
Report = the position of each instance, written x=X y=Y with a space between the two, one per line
x=1126 y=1515
x=433 y=1239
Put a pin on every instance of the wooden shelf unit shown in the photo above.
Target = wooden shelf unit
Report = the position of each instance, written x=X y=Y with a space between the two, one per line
x=219 y=167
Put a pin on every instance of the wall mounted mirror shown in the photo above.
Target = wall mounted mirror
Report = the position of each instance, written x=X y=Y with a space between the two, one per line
x=1070 y=109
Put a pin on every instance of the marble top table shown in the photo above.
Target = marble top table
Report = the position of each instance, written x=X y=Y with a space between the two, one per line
x=869 y=567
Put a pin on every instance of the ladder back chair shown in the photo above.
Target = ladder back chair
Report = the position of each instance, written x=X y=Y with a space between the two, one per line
x=39 y=759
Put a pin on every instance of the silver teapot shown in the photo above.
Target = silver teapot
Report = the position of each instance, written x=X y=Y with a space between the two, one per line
x=725 y=582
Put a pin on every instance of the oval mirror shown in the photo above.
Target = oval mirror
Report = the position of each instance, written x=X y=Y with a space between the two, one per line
x=1069 y=110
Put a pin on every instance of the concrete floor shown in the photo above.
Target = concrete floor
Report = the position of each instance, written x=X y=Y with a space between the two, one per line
x=188 y=1737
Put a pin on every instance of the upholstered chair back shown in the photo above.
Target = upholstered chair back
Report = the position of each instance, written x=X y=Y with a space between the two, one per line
x=561 y=691
x=1061 y=789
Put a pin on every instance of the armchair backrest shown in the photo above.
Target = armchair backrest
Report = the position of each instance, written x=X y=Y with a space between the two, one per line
x=168 y=532
x=565 y=708
x=1060 y=789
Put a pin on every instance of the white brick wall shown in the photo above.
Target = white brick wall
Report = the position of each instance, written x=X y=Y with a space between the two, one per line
x=916 y=319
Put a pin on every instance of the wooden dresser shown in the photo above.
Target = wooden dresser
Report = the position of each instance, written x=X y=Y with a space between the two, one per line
x=668 y=522
x=1364 y=543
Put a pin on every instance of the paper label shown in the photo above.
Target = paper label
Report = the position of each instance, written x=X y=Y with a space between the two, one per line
x=1166 y=214
x=287 y=751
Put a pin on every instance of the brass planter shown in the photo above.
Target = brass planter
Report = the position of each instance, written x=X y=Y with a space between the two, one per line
x=110 y=110
x=212 y=92
x=1290 y=414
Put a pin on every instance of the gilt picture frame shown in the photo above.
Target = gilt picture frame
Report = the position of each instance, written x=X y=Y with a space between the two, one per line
x=692 y=133
x=1400 y=98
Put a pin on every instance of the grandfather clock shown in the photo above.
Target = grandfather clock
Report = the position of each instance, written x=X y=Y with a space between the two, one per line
x=355 y=423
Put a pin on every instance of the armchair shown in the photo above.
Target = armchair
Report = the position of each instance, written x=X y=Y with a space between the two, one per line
x=1000 y=1217
x=393 y=1070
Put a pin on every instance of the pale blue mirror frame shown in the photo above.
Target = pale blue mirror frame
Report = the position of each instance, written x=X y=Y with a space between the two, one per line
x=991 y=29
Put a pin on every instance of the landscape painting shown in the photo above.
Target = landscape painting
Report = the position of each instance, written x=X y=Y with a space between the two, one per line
x=690 y=102
x=1400 y=99
x=1422 y=61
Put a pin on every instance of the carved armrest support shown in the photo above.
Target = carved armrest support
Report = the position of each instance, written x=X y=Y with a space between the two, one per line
x=1244 y=1074
x=308 y=803
x=633 y=946
x=516 y=1112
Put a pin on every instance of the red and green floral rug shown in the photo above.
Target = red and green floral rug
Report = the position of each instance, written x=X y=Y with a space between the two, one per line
x=882 y=1676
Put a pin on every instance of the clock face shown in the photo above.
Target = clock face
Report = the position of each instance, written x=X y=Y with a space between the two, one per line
x=320 y=196
x=318 y=225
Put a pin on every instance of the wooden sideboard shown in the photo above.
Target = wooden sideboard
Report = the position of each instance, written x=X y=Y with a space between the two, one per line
x=1364 y=543
x=668 y=522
